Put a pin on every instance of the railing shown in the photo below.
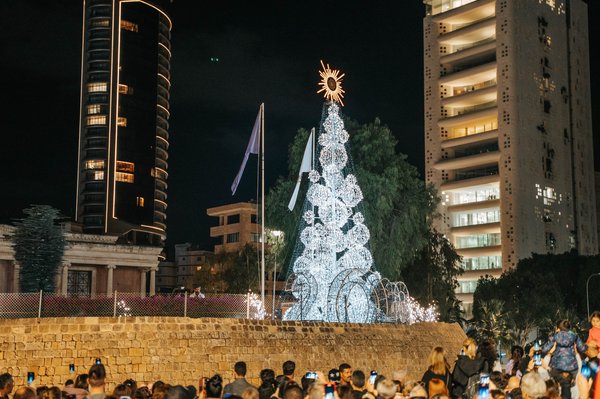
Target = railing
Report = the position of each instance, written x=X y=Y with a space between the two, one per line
x=40 y=304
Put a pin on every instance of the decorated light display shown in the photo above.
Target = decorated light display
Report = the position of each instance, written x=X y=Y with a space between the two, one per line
x=334 y=278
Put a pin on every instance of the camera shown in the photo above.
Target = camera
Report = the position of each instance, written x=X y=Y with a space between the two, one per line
x=329 y=389
x=71 y=368
x=205 y=382
x=373 y=377
x=537 y=359
x=98 y=361
x=312 y=375
x=30 y=377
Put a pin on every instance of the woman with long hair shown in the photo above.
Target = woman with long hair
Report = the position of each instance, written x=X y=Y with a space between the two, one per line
x=438 y=369
x=467 y=365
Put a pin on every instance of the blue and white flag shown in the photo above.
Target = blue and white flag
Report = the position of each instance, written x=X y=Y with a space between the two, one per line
x=305 y=166
x=253 y=148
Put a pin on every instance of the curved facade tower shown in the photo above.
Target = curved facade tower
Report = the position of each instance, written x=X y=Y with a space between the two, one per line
x=123 y=132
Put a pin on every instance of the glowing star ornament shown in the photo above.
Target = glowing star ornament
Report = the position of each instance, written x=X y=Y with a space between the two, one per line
x=331 y=84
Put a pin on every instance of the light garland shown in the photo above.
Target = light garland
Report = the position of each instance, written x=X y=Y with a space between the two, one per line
x=256 y=307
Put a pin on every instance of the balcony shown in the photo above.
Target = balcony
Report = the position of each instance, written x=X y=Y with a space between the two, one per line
x=472 y=206
x=470 y=76
x=469 y=161
x=471 y=96
x=475 y=181
x=467 y=118
x=480 y=251
x=484 y=228
x=473 y=33
x=491 y=136
x=461 y=12
x=470 y=52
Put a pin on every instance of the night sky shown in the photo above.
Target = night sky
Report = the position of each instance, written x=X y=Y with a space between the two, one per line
x=268 y=51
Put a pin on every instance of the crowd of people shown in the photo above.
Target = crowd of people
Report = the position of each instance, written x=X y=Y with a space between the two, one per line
x=563 y=367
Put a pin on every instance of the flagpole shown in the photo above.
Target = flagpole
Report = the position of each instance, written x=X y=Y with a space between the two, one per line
x=262 y=240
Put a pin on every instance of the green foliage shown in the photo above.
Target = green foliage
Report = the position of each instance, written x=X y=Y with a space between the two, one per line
x=396 y=202
x=540 y=291
x=241 y=269
x=432 y=276
x=39 y=245
x=493 y=322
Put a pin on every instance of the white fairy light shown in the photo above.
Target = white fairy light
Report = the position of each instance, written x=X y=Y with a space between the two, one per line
x=257 y=309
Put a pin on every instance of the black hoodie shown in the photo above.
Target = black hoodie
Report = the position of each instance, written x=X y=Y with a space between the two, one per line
x=464 y=368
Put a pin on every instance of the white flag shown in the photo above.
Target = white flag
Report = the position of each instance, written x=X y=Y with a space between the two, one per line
x=253 y=148
x=305 y=166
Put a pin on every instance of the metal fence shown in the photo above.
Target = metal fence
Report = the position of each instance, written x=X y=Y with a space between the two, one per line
x=41 y=304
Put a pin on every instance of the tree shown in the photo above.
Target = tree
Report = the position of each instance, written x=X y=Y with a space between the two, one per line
x=39 y=245
x=432 y=276
x=240 y=270
x=397 y=203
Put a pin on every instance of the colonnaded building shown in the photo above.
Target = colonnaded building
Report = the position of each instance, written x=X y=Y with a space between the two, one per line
x=508 y=130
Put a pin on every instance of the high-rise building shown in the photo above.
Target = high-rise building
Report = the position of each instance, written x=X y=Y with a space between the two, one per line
x=508 y=131
x=123 y=132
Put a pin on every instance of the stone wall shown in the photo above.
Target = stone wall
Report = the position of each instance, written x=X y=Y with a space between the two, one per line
x=182 y=350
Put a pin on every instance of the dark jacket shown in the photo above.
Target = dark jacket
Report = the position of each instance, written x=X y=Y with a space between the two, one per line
x=430 y=375
x=563 y=357
x=464 y=368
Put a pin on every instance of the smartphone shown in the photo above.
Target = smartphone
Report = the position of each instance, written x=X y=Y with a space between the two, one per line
x=536 y=345
x=585 y=370
x=98 y=361
x=30 y=377
x=329 y=389
x=311 y=375
x=124 y=397
x=484 y=387
x=373 y=377
x=205 y=382
x=71 y=368
x=537 y=359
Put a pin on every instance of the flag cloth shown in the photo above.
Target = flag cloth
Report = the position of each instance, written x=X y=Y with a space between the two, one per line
x=306 y=166
x=253 y=147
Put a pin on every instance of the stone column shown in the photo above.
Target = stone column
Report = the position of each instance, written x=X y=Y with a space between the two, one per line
x=153 y=280
x=109 y=280
x=16 y=276
x=143 y=282
x=64 y=283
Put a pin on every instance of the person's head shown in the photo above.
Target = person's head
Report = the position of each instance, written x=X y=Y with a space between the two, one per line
x=39 y=391
x=306 y=384
x=533 y=386
x=250 y=393
x=497 y=394
x=214 y=386
x=564 y=325
x=24 y=393
x=487 y=350
x=333 y=376
x=122 y=390
x=81 y=381
x=180 y=392
x=552 y=391
x=157 y=385
x=595 y=318
x=267 y=376
x=498 y=379
x=345 y=373
x=417 y=392
x=437 y=361
x=69 y=382
x=240 y=369
x=316 y=390
x=470 y=348
x=437 y=386
x=293 y=391
x=142 y=392
x=131 y=384
x=516 y=393
x=96 y=376
x=6 y=383
x=52 y=393
x=386 y=388
x=516 y=353
x=288 y=368
x=344 y=391
x=358 y=379
x=513 y=382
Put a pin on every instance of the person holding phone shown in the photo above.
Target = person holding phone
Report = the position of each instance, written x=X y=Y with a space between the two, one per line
x=563 y=363
x=438 y=368
x=96 y=382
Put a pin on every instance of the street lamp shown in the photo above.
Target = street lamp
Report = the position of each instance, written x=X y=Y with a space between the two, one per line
x=587 y=292
x=277 y=234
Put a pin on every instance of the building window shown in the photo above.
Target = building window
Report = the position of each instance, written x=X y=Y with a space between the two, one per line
x=467 y=287
x=124 y=177
x=139 y=201
x=79 y=283
x=101 y=22
x=94 y=164
x=231 y=219
x=253 y=218
x=121 y=121
x=124 y=89
x=98 y=87
x=96 y=120
x=123 y=166
x=128 y=25
x=255 y=237
x=98 y=175
x=233 y=237
x=94 y=109
x=482 y=263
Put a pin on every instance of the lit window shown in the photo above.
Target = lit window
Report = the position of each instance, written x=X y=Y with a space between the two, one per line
x=121 y=121
x=98 y=175
x=96 y=120
x=124 y=177
x=123 y=166
x=93 y=109
x=124 y=89
x=139 y=201
x=130 y=26
x=233 y=237
x=98 y=87
x=105 y=22
x=94 y=164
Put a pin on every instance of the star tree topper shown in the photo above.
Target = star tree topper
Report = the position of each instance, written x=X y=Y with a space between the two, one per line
x=331 y=84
